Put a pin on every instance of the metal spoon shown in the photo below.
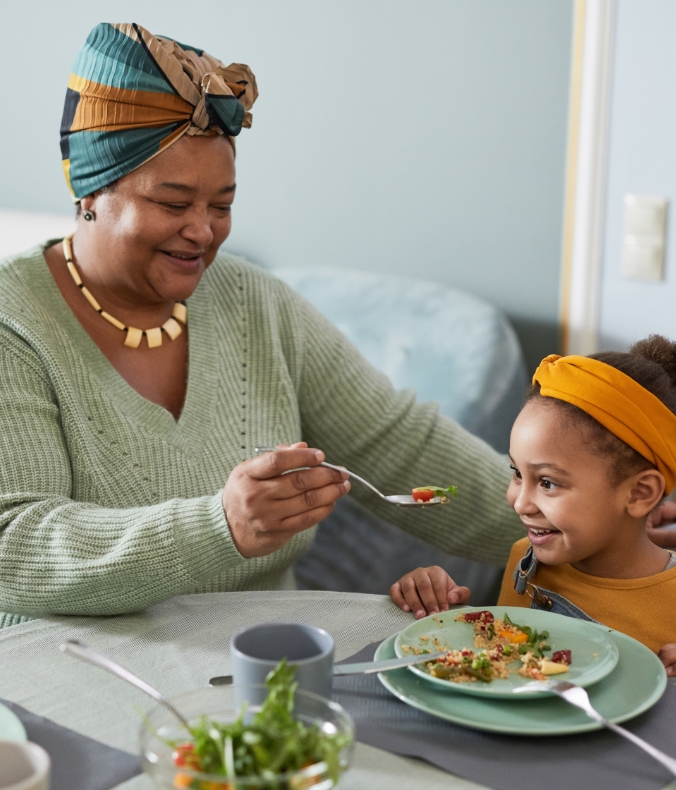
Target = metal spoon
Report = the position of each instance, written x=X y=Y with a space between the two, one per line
x=401 y=500
x=361 y=667
x=85 y=653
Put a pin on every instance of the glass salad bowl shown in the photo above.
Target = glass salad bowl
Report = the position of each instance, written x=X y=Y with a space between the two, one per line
x=163 y=737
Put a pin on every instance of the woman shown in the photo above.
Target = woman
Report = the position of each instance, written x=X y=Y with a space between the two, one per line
x=128 y=422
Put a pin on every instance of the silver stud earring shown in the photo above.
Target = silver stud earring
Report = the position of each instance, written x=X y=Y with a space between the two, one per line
x=87 y=215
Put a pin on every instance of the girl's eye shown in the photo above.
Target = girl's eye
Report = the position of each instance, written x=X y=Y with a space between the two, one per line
x=547 y=484
x=517 y=474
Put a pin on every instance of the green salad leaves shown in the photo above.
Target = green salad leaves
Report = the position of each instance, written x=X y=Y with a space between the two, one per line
x=269 y=743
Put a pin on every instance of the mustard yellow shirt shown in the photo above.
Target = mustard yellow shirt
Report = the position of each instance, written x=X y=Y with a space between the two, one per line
x=643 y=608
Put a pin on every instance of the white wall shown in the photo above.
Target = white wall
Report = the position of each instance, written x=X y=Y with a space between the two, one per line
x=20 y=230
x=642 y=160
x=422 y=138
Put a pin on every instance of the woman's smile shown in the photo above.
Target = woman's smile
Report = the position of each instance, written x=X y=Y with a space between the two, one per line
x=186 y=262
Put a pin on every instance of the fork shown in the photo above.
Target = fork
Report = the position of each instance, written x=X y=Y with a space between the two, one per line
x=577 y=696
x=402 y=500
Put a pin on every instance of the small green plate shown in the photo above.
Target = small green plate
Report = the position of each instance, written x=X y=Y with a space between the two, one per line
x=11 y=729
x=635 y=686
x=594 y=654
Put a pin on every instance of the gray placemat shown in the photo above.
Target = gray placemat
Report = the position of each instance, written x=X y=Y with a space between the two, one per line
x=78 y=762
x=589 y=761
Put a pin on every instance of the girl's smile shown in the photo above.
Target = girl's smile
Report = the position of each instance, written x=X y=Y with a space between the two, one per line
x=540 y=537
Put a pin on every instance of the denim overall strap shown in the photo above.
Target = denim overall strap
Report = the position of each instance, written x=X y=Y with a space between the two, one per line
x=524 y=571
x=543 y=599
x=549 y=601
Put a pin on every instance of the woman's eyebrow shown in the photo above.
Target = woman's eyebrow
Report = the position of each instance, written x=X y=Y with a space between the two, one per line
x=187 y=188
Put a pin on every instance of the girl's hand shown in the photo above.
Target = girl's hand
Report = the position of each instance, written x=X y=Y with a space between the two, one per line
x=668 y=657
x=428 y=591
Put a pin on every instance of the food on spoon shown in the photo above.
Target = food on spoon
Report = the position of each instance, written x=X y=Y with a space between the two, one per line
x=273 y=742
x=428 y=493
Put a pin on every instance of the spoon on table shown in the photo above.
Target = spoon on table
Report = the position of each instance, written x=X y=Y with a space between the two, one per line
x=85 y=653
x=577 y=696
x=360 y=667
x=401 y=500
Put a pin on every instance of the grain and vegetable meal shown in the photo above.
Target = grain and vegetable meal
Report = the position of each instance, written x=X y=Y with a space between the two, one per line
x=500 y=643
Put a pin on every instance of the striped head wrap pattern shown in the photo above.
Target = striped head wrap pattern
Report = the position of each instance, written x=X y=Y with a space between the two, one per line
x=132 y=94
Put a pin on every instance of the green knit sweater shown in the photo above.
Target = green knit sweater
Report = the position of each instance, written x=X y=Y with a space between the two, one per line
x=107 y=504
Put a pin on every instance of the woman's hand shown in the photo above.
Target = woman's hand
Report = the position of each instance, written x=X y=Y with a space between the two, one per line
x=663 y=515
x=668 y=657
x=427 y=591
x=265 y=507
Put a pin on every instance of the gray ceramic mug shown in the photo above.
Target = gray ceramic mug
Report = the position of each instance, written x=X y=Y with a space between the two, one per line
x=256 y=650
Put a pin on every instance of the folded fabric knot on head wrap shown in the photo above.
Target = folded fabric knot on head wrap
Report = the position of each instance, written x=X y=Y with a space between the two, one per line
x=619 y=403
x=132 y=94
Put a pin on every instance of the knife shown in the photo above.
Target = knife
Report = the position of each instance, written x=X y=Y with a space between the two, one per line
x=363 y=667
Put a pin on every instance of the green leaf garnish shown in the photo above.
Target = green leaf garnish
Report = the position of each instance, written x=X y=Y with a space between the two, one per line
x=273 y=742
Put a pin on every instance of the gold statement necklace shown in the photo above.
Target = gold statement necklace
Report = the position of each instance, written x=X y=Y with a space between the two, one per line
x=134 y=336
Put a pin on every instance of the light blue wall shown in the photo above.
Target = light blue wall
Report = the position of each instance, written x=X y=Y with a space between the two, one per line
x=642 y=160
x=423 y=138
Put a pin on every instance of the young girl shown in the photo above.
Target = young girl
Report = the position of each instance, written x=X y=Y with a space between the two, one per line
x=593 y=453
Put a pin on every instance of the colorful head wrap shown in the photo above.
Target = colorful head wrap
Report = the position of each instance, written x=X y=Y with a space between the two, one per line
x=132 y=94
x=618 y=402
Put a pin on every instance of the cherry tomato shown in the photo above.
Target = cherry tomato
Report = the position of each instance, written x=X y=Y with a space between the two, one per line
x=184 y=756
x=421 y=495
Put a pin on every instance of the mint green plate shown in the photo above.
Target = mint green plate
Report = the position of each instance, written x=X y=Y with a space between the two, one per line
x=11 y=729
x=594 y=654
x=635 y=686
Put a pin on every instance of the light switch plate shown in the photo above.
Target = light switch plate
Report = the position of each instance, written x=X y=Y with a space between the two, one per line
x=644 y=237
x=643 y=259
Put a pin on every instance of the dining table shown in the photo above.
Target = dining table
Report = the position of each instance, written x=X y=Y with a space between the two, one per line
x=178 y=645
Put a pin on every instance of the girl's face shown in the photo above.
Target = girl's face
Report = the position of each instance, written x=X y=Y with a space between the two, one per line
x=564 y=492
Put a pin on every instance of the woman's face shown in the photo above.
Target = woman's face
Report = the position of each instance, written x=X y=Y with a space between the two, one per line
x=160 y=227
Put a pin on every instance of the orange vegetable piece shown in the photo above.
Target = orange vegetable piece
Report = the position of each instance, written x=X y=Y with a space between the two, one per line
x=515 y=637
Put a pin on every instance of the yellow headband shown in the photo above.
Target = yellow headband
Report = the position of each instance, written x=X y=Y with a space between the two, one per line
x=618 y=402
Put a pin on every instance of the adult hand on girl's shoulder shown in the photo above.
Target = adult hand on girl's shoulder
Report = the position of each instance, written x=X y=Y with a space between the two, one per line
x=668 y=657
x=427 y=591
x=656 y=525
